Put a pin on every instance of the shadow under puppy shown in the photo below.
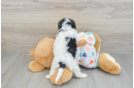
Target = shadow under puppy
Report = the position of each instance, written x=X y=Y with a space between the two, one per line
x=64 y=50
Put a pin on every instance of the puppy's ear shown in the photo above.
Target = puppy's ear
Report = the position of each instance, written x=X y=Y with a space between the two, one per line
x=73 y=24
x=60 y=23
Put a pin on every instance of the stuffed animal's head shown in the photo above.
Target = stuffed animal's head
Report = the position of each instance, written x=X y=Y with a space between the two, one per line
x=86 y=38
x=80 y=41
x=66 y=24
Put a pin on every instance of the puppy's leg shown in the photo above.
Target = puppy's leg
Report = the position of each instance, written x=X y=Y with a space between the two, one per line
x=73 y=66
x=53 y=68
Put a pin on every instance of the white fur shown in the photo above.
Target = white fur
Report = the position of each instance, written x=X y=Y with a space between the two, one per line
x=59 y=74
x=112 y=59
x=62 y=55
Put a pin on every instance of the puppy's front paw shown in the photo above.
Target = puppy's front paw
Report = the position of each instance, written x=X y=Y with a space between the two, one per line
x=48 y=76
x=82 y=75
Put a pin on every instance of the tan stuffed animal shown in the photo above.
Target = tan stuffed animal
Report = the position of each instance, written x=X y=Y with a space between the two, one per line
x=105 y=61
x=43 y=55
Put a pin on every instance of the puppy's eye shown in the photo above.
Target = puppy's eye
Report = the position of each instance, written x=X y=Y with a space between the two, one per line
x=68 y=23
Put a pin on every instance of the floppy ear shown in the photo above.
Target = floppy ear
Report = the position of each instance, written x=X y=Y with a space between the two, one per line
x=73 y=24
x=60 y=23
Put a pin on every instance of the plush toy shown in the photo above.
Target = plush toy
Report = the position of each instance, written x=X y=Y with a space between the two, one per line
x=43 y=55
x=89 y=57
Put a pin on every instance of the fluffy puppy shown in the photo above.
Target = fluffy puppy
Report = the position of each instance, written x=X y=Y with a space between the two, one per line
x=65 y=46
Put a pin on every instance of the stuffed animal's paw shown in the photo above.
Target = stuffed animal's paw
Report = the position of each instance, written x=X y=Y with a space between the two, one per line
x=82 y=42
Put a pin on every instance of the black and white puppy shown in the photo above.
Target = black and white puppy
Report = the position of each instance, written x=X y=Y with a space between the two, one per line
x=65 y=49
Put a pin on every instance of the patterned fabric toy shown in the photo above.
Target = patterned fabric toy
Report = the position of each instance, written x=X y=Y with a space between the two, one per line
x=87 y=55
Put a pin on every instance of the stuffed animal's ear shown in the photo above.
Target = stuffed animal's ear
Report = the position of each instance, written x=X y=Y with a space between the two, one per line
x=98 y=43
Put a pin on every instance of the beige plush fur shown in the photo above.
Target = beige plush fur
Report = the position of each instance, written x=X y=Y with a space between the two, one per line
x=67 y=75
x=98 y=42
x=82 y=42
x=34 y=66
x=108 y=64
x=42 y=54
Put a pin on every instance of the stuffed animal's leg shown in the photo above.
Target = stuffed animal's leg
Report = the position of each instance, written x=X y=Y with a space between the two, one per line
x=107 y=63
x=66 y=76
x=53 y=68
x=34 y=66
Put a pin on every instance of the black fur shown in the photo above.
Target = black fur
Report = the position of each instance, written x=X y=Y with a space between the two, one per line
x=72 y=46
x=72 y=23
x=60 y=23
x=62 y=65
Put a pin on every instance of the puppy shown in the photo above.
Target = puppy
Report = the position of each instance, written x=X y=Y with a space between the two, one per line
x=65 y=46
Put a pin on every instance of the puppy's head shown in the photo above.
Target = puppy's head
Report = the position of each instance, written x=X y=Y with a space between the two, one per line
x=66 y=22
